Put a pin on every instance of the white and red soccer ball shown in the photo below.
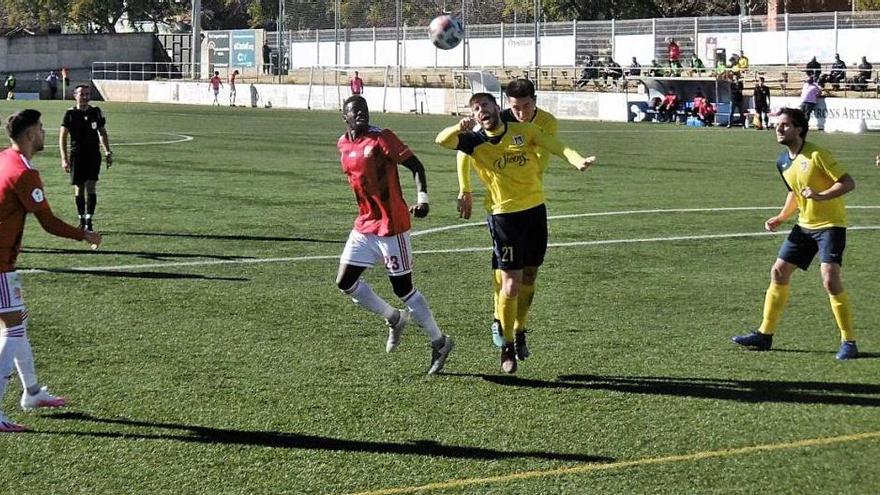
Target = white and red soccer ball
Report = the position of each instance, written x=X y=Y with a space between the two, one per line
x=446 y=32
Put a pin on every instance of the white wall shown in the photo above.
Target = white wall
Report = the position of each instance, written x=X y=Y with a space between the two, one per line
x=564 y=104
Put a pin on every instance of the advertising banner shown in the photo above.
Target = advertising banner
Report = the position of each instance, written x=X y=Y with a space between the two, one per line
x=244 y=45
x=218 y=49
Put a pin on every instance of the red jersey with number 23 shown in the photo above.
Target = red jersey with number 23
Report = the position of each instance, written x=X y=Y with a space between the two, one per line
x=21 y=192
x=370 y=162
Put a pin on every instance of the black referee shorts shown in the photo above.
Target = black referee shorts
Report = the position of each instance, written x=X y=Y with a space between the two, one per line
x=84 y=168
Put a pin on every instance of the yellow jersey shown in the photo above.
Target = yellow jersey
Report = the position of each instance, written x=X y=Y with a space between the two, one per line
x=508 y=163
x=813 y=167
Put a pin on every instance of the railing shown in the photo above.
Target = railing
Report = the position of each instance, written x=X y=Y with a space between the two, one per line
x=148 y=71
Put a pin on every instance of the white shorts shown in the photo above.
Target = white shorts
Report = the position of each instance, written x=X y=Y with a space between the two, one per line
x=10 y=292
x=395 y=252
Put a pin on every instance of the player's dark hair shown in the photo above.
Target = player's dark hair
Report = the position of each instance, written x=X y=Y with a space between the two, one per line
x=479 y=96
x=520 y=88
x=799 y=119
x=19 y=122
x=79 y=86
x=352 y=99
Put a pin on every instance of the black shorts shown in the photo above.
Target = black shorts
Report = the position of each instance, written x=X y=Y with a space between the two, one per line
x=519 y=239
x=762 y=108
x=84 y=168
x=801 y=246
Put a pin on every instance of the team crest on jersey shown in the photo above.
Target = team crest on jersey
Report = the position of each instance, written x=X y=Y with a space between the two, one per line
x=804 y=165
x=38 y=196
x=518 y=140
x=94 y=126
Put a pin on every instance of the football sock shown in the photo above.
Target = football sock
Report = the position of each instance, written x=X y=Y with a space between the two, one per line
x=7 y=348
x=80 y=205
x=523 y=304
x=363 y=295
x=24 y=361
x=507 y=313
x=417 y=304
x=91 y=203
x=842 y=310
x=496 y=293
x=774 y=303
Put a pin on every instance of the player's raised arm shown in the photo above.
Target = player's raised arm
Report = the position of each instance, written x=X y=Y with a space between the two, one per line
x=448 y=138
x=420 y=209
x=558 y=148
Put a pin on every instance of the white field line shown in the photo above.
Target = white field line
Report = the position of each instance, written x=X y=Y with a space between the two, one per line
x=475 y=249
x=178 y=138
x=624 y=212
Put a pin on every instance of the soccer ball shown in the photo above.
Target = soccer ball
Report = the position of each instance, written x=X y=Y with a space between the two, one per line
x=446 y=32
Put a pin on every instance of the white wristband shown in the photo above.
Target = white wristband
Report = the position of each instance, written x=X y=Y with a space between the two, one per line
x=422 y=198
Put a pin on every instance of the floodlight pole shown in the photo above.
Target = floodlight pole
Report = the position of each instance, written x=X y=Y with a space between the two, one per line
x=196 y=48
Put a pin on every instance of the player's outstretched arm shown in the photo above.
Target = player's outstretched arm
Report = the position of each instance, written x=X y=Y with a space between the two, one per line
x=60 y=228
x=558 y=148
x=420 y=209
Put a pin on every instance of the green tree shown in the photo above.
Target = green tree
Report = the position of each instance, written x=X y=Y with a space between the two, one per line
x=39 y=15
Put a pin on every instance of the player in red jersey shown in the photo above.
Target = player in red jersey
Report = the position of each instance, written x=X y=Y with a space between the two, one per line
x=370 y=157
x=214 y=85
x=21 y=192
x=232 y=91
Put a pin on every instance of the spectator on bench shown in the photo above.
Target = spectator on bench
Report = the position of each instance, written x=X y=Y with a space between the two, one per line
x=838 y=72
x=634 y=70
x=589 y=73
x=668 y=106
x=864 y=76
x=703 y=110
x=814 y=69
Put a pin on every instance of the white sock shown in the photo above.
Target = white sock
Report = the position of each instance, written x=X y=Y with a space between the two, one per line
x=7 y=355
x=24 y=361
x=362 y=294
x=417 y=304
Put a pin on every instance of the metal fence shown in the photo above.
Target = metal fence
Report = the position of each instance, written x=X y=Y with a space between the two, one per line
x=332 y=21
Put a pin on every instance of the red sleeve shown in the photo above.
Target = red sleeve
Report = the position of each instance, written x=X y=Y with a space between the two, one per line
x=394 y=147
x=29 y=189
x=56 y=226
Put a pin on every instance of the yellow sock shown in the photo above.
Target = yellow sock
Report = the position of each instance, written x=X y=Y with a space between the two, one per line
x=507 y=315
x=524 y=303
x=774 y=303
x=842 y=310
x=496 y=292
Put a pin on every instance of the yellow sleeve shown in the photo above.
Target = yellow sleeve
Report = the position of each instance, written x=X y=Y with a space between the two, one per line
x=551 y=127
x=448 y=138
x=555 y=146
x=463 y=163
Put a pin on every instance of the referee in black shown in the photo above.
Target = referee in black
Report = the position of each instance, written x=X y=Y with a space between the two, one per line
x=85 y=126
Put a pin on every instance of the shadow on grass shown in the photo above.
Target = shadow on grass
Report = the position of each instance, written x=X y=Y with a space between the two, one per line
x=274 y=439
x=830 y=393
x=150 y=255
x=143 y=274
x=226 y=237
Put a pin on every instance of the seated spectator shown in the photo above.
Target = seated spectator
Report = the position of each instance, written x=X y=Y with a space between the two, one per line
x=865 y=74
x=742 y=62
x=697 y=66
x=655 y=70
x=613 y=71
x=838 y=72
x=668 y=106
x=703 y=109
x=814 y=69
x=589 y=73
x=634 y=69
x=721 y=71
